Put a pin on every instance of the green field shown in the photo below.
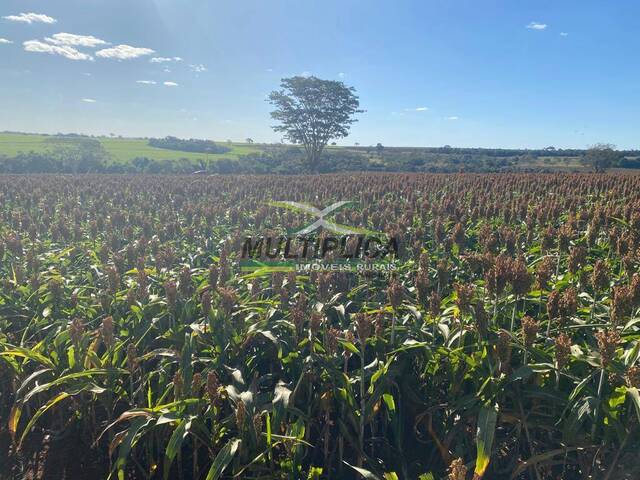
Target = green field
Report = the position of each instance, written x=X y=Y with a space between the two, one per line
x=121 y=149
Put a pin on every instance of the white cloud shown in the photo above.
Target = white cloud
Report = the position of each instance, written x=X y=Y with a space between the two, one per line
x=75 y=40
x=165 y=59
x=198 y=68
x=64 y=51
x=170 y=84
x=453 y=118
x=146 y=82
x=537 y=26
x=416 y=109
x=5 y=41
x=564 y=34
x=30 y=18
x=306 y=74
x=124 y=52
x=341 y=74
x=88 y=100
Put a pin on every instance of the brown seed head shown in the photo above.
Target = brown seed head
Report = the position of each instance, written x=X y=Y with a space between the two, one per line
x=563 y=349
x=395 y=293
x=600 y=276
x=364 y=326
x=213 y=387
x=132 y=358
x=464 y=297
x=633 y=376
x=530 y=329
x=608 y=341
x=178 y=385
x=205 y=302
x=457 y=470
x=76 y=330
x=171 y=292
x=106 y=331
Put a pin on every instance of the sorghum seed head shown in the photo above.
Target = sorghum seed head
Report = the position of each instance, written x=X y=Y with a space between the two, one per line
x=608 y=341
x=553 y=305
x=633 y=376
x=132 y=357
x=76 y=331
x=315 y=322
x=106 y=331
x=178 y=385
x=205 y=302
x=363 y=325
x=171 y=292
x=600 y=276
x=530 y=329
x=213 y=387
x=395 y=293
x=457 y=470
x=563 y=349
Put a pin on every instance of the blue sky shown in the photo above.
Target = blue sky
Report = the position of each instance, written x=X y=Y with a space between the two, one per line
x=501 y=73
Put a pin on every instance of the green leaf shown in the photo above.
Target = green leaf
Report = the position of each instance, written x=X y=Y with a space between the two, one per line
x=364 y=473
x=635 y=398
x=349 y=346
x=14 y=418
x=58 y=398
x=389 y=402
x=174 y=445
x=426 y=476
x=225 y=455
x=30 y=354
x=487 y=420
x=127 y=443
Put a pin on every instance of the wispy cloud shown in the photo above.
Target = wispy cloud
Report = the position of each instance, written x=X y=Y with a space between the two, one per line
x=165 y=59
x=124 y=52
x=564 y=34
x=453 y=118
x=30 y=18
x=89 y=100
x=75 y=40
x=341 y=74
x=198 y=68
x=170 y=84
x=64 y=51
x=146 y=82
x=416 y=109
x=5 y=41
x=537 y=26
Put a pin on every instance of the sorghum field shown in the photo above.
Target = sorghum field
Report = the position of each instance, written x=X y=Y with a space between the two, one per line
x=505 y=345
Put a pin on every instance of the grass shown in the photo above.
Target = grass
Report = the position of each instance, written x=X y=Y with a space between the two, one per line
x=122 y=150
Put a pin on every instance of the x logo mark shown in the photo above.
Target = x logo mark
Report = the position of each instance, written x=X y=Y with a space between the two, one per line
x=320 y=215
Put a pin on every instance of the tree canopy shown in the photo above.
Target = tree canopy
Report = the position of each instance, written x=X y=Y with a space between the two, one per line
x=311 y=112
x=601 y=156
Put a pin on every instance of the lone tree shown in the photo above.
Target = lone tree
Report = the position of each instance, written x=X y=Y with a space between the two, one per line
x=601 y=156
x=312 y=111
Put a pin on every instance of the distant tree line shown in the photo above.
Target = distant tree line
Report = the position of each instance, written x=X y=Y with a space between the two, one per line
x=191 y=145
x=89 y=156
